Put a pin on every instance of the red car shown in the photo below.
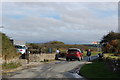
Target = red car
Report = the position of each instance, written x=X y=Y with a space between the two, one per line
x=74 y=53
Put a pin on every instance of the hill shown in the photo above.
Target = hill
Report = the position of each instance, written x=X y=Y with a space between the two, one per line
x=62 y=47
x=55 y=42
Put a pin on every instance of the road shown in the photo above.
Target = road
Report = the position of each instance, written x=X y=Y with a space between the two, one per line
x=58 y=69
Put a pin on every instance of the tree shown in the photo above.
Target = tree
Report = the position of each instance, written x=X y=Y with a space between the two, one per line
x=111 y=42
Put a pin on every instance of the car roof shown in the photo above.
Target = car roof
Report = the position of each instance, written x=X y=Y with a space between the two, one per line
x=20 y=45
x=73 y=49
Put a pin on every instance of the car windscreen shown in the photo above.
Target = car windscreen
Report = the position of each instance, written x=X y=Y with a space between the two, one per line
x=72 y=50
x=20 y=47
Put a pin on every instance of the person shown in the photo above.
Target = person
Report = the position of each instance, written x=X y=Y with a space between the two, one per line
x=88 y=55
x=100 y=56
x=27 y=56
x=57 y=54
x=57 y=51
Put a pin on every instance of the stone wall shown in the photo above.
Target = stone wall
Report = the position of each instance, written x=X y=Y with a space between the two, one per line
x=32 y=58
x=41 y=57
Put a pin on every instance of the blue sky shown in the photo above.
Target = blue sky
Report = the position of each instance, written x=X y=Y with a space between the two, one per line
x=72 y=23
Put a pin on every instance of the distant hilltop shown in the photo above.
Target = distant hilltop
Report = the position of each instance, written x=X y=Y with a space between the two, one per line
x=55 y=42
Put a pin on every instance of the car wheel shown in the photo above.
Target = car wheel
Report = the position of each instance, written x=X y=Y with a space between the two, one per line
x=70 y=59
x=56 y=58
x=67 y=59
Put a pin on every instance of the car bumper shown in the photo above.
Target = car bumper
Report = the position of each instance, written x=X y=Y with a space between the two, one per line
x=72 y=57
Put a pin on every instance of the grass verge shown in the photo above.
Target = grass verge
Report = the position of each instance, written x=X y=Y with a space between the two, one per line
x=111 y=55
x=11 y=65
x=98 y=70
x=93 y=53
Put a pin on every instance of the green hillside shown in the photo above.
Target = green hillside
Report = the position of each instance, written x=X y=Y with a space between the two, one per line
x=8 y=50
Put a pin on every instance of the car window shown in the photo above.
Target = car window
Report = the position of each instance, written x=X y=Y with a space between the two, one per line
x=72 y=50
x=23 y=47
x=79 y=51
x=20 y=47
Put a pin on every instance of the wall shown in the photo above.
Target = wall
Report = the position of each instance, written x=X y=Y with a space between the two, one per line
x=32 y=58
x=41 y=57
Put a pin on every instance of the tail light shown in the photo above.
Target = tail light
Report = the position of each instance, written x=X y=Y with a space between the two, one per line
x=20 y=49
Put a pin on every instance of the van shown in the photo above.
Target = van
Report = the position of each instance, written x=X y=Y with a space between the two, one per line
x=21 y=48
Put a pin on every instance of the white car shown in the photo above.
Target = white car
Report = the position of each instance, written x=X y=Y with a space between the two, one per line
x=21 y=48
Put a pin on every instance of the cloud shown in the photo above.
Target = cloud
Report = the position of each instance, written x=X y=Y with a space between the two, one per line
x=67 y=22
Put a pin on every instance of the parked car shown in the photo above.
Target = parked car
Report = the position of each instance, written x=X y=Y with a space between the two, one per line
x=74 y=53
x=21 y=48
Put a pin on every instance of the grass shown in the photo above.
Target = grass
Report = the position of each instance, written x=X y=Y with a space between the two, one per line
x=97 y=70
x=8 y=50
x=93 y=53
x=11 y=65
x=111 y=55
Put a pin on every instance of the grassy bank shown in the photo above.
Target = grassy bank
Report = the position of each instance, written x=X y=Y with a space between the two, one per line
x=98 y=70
x=11 y=65
x=8 y=51
x=111 y=55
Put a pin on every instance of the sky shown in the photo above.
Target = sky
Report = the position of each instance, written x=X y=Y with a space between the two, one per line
x=70 y=22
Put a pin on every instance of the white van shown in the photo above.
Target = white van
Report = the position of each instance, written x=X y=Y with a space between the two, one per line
x=21 y=48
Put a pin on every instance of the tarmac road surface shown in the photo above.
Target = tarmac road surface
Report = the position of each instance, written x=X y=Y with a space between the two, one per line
x=58 y=69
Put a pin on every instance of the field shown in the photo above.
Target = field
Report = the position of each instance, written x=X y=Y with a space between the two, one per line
x=98 y=71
